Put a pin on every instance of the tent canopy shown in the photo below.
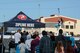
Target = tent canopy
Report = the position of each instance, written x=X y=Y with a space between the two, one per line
x=22 y=20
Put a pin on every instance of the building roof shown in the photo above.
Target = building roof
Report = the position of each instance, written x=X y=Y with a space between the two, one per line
x=57 y=18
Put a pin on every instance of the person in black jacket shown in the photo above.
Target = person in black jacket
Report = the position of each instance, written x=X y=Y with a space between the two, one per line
x=12 y=46
x=2 y=46
x=52 y=39
x=45 y=43
x=61 y=37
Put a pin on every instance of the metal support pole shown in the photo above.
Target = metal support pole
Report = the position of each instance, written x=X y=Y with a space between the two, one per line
x=2 y=38
x=58 y=16
x=39 y=9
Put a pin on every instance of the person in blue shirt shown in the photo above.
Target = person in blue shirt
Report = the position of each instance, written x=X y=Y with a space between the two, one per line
x=72 y=39
x=73 y=42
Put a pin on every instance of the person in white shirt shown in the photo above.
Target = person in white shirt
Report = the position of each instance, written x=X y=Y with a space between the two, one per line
x=28 y=44
x=22 y=46
x=40 y=35
x=17 y=37
x=28 y=36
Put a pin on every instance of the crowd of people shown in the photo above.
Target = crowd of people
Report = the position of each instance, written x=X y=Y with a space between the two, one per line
x=46 y=42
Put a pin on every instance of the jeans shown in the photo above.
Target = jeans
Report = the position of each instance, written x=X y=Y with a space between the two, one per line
x=16 y=45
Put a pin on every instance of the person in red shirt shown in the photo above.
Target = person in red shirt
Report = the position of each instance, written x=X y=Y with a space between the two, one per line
x=35 y=42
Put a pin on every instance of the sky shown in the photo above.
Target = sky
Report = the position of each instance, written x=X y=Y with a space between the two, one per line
x=37 y=8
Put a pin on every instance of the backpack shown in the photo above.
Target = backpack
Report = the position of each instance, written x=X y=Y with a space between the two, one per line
x=12 y=44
